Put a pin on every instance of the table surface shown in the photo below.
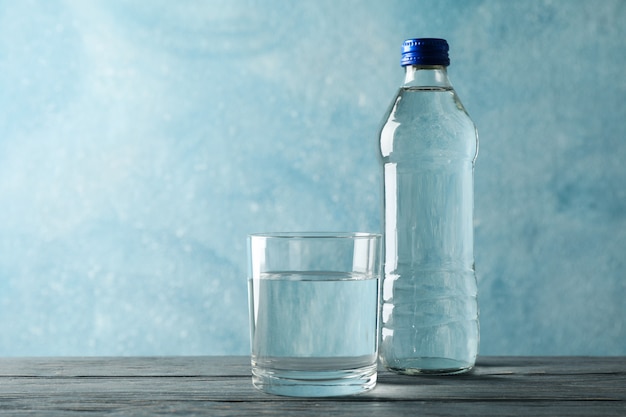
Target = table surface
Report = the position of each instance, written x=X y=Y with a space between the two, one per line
x=221 y=386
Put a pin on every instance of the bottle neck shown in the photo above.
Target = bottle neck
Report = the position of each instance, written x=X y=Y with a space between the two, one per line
x=427 y=76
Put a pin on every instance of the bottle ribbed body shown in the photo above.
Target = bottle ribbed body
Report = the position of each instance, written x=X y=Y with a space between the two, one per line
x=429 y=297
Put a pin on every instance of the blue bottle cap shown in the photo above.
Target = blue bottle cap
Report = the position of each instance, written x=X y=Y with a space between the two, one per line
x=425 y=51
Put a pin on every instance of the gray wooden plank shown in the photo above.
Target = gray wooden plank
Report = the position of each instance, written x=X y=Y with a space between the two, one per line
x=77 y=405
x=240 y=366
x=550 y=364
x=506 y=388
x=126 y=366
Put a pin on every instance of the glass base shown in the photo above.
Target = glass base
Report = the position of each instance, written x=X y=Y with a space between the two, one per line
x=429 y=366
x=314 y=384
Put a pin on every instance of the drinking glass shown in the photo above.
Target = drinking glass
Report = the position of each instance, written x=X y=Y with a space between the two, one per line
x=313 y=301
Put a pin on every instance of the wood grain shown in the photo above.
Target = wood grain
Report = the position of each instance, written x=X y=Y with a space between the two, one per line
x=220 y=386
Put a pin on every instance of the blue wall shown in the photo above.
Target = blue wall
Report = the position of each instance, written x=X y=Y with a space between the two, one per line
x=141 y=141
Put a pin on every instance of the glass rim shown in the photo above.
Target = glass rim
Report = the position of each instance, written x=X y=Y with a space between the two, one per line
x=315 y=235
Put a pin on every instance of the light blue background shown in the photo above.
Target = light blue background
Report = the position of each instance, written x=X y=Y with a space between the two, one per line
x=140 y=141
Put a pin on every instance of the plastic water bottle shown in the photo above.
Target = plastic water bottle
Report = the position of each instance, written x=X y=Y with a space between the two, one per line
x=428 y=145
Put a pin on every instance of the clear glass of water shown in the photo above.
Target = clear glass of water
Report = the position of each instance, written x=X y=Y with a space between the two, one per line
x=314 y=312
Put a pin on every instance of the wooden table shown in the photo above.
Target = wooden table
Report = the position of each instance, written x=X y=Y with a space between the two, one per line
x=220 y=386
